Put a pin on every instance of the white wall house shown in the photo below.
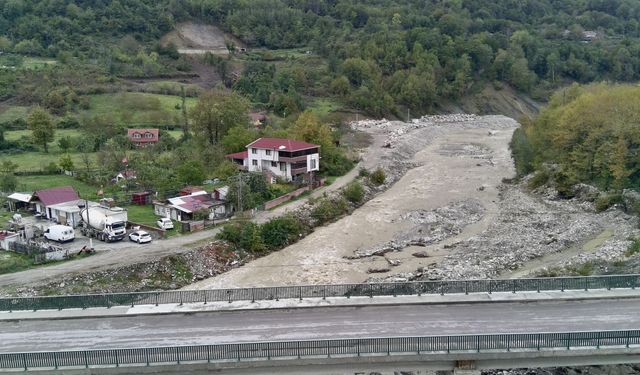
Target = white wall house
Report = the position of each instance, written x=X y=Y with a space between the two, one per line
x=284 y=158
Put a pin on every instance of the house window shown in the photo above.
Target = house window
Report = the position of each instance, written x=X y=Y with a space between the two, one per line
x=148 y=135
x=254 y=151
x=283 y=167
x=274 y=164
x=313 y=164
x=136 y=135
x=268 y=152
x=254 y=162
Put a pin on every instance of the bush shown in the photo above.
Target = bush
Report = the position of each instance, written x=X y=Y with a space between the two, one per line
x=280 y=232
x=585 y=269
x=328 y=209
x=377 y=177
x=231 y=233
x=605 y=201
x=244 y=235
x=633 y=249
x=52 y=168
x=251 y=238
x=522 y=152
x=354 y=192
x=363 y=172
x=539 y=178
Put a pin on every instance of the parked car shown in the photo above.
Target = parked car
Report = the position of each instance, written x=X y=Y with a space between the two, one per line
x=165 y=223
x=60 y=233
x=140 y=236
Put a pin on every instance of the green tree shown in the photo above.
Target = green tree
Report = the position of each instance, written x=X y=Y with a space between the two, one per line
x=237 y=139
x=66 y=163
x=308 y=128
x=190 y=173
x=354 y=192
x=42 y=127
x=8 y=167
x=8 y=183
x=217 y=112
x=65 y=143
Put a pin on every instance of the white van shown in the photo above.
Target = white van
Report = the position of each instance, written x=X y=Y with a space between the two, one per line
x=60 y=233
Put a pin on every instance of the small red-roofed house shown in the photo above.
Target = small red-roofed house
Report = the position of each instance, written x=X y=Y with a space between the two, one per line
x=143 y=137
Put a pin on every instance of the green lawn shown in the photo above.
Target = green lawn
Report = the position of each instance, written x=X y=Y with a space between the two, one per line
x=36 y=62
x=145 y=215
x=37 y=161
x=13 y=112
x=138 y=108
x=29 y=184
x=14 y=262
x=14 y=135
x=176 y=134
x=323 y=107
x=142 y=214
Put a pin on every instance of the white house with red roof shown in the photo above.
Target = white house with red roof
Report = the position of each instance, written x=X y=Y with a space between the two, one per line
x=285 y=158
x=59 y=204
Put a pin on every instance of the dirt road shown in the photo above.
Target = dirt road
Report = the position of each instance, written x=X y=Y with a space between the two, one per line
x=448 y=163
x=112 y=255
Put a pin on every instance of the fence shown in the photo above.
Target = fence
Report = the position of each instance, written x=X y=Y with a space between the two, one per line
x=285 y=198
x=293 y=350
x=321 y=291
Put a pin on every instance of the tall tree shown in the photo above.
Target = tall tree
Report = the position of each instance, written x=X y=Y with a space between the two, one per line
x=216 y=112
x=42 y=127
x=185 y=118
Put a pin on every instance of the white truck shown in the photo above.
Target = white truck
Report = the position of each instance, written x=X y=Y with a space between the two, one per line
x=104 y=223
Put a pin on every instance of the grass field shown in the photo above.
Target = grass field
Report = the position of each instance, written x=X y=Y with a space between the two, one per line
x=38 y=161
x=13 y=113
x=37 y=62
x=176 y=134
x=14 y=135
x=323 y=107
x=142 y=214
x=138 y=108
x=30 y=184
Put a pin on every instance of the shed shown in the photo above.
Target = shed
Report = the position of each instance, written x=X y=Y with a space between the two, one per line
x=7 y=237
x=19 y=201
x=141 y=198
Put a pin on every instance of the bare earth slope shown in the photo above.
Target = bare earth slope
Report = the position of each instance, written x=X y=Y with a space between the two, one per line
x=193 y=38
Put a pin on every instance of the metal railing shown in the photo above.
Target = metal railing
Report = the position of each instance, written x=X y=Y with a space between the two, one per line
x=320 y=291
x=293 y=350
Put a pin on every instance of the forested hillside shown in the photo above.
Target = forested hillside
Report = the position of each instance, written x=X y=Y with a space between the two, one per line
x=379 y=55
x=587 y=134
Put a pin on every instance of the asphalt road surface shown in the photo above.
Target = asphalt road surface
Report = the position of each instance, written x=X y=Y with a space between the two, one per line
x=317 y=323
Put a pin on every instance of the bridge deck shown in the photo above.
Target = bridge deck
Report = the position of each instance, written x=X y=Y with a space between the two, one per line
x=317 y=323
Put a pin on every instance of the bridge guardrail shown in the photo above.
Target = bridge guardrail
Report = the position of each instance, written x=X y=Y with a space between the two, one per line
x=321 y=349
x=320 y=291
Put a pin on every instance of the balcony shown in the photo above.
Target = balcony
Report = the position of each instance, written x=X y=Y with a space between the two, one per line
x=296 y=159
x=297 y=171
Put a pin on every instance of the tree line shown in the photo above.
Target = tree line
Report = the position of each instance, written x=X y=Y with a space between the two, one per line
x=587 y=134
x=377 y=56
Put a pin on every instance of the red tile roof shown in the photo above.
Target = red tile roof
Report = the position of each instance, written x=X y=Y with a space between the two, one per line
x=56 y=195
x=143 y=139
x=280 y=144
x=238 y=155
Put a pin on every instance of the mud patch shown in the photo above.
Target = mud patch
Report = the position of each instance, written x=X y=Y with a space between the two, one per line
x=474 y=150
